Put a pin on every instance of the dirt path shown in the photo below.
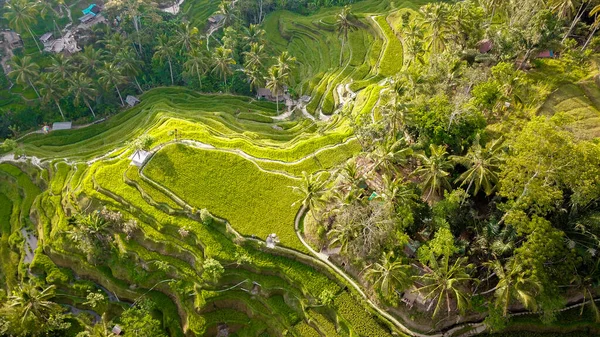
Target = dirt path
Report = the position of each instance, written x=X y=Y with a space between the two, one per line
x=7 y=52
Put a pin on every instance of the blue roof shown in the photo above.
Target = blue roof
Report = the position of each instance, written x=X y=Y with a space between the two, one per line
x=89 y=10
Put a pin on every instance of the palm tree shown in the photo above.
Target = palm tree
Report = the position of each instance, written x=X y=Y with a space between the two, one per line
x=31 y=300
x=514 y=283
x=60 y=66
x=254 y=57
x=433 y=171
x=187 y=37
x=389 y=153
x=389 y=276
x=445 y=281
x=116 y=42
x=164 y=51
x=254 y=34
x=25 y=71
x=396 y=192
x=195 y=64
x=222 y=62
x=311 y=190
x=275 y=83
x=254 y=78
x=100 y=329
x=130 y=64
x=51 y=90
x=91 y=59
x=82 y=89
x=483 y=165
x=226 y=9
x=21 y=14
x=342 y=234
x=343 y=26
x=436 y=17
x=110 y=75
x=285 y=63
x=413 y=41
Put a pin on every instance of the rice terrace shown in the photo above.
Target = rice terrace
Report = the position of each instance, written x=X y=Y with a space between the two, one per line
x=308 y=168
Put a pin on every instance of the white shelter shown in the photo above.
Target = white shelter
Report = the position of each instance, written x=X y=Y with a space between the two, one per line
x=139 y=157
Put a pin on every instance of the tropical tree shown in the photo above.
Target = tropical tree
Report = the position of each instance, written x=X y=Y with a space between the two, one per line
x=110 y=76
x=222 y=62
x=226 y=8
x=285 y=63
x=131 y=66
x=132 y=9
x=91 y=59
x=514 y=283
x=436 y=16
x=253 y=58
x=82 y=89
x=51 y=90
x=186 y=37
x=254 y=78
x=311 y=191
x=444 y=281
x=433 y=171
x=342 y=234
x=21 y=14
x=389 y=276
x=33 y=302
x=390 y=153
x=25 y=71
x=164 y=51
x=483 y=165
x=343 y=26
x=60 y=66
x=275 y=83
x=195 y=64
x=254 y=34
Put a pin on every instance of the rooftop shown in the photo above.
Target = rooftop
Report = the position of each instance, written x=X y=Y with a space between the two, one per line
x=62 y=126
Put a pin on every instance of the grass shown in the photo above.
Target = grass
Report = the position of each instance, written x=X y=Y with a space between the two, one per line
x=254 y=202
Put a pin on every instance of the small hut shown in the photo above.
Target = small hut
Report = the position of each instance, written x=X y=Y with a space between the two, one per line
x=263 y=93
x=62 y=126
x=215 y=19
x=46 y=38
x=87 y=18
x=272 y=240
x=132 y=100
x=116 y=330
x=139 y=157
x=14 y=40
x=485 y=46
x=546 y=54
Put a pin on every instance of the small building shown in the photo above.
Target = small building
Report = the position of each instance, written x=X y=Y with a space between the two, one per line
x=263 y=93
x=272 y=240
x=62 y=126
x=14 y=40
x=117 y=330
x=87 y=18
x=46 y=37
x=92 y=9
x=215 y=19
x=485 y=46
x=546 y=54
x=132 y=100
x=139 y=157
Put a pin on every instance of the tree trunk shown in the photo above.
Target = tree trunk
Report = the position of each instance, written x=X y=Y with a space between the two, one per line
x=34 y=39
x=526 y=58
x=260 y=13
x=277 y=101
x=171 y=70
x=199 y=78
x=60 y=109
x=342 y=51
x=575 y=20
x=120 y=97
x=138 y=85
x=90 y=107
x=34 y=89
x=589 y=39
x=137 y=30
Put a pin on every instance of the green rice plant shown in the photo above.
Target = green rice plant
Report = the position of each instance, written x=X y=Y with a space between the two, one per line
x=358 y=319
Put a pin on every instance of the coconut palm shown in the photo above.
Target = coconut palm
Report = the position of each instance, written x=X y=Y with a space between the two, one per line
x=514 y=283
x=33 y=302
x=254 y=57
x=433 y=171
x=285 y=64
x=390 y=153
x=436 y=17
x=164 y=51
x=25 y=71
x=80 y=85
x=389 y=275
x=116 y=42
x=344 y=25
x=226 y=9
x=110 y=76
x=483 y=165
x=254 y=34
x=445 y=281
x=311 y=191
x=21 y=14
x=222 y=62
x=91 y=59
x=275 y=83
x=61 y=66
x=130 y=64
x=396 y=192
x=51 y=90
x=100 y=329
x=186 y=37
x=342 y=234
x=195 y=64
x=254 y=78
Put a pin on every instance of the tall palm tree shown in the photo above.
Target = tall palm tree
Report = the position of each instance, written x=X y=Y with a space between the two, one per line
x=116 y=42
x=52 y=90
x=254 y=34
x=311 y=191
x=91 y=59
x=483 y=165
x=131 y=65
x=343 y=25
x=21 y=14
x=110 y=76
x=222 y=62
x=25 y=71
x=186 y=37
x=342 y=234
x=389 y=276
x=226 y=9
x=83 y=90
x=33 y=302
x=396 y=192
x=445 y=281
x=390 y=153
x=61 y=66
x=285 y=63
x=195 y=64
x=254 y=78
x=254 y=57
x=275 y=83
x=514 y=283
x=436 y=17
x=433 y=171
x=164 y=51
x=100 y=329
